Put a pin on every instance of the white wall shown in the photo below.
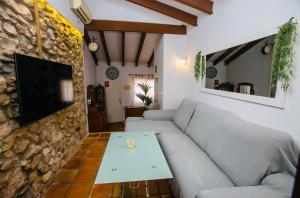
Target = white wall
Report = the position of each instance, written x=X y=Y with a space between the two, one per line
x=171 y=82
x=62 y=6
x=115 y=111
x=234 y=20
x=159 y=63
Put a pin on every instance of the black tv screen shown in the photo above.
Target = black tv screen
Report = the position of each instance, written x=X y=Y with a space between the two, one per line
x=44 y=87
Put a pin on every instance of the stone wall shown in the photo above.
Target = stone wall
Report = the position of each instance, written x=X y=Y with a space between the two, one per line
x=30 y=156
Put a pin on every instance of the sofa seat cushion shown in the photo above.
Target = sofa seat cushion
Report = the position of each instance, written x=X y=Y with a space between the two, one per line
x=184 y=113
x=172 y=143
x=151 y=125
x=194 y=171
x=244 y=151
x=242 y=192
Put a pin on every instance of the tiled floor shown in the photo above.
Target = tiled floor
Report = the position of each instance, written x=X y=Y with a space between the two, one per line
x=76 y=180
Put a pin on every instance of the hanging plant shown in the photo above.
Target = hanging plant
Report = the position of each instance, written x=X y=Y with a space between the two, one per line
x=282 y=60
x=199 y=68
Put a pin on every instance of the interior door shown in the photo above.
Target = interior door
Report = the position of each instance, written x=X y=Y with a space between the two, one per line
x=115 y=110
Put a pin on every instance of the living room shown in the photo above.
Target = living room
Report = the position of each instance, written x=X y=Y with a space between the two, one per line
x=223 y=114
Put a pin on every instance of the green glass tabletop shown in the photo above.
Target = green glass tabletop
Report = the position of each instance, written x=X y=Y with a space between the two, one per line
x=144 y=162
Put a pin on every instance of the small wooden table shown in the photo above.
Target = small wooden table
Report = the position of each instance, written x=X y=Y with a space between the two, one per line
x=134 y=111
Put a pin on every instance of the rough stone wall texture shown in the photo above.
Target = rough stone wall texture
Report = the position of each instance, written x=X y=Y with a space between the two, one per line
x=30 y=156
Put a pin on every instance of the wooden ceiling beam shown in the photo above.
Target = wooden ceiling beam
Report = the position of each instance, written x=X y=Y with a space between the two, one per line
x=103 y=41
x=123 y=48
x=151 y=59
x=143 y=37
x=241 y=51
x=224 y=55
x=88 y=41
x=209 y=56
x=202 y=5
x=128 y=26
x=167 y=10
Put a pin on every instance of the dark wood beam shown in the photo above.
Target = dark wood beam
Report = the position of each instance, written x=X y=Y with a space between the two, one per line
x=209 y=56
x=224 y=55
x=241 y=51
x=87 y=41
x=123 y=48
x=151 y=60
x=103 y=41
x=202 y=5
x=127 y=26
x=167 y=10
x=137 y=60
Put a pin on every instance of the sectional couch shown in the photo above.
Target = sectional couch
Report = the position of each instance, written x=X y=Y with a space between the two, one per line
x=214 y=154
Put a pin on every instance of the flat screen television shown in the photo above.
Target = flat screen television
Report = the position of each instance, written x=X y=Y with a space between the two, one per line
x=44 y=87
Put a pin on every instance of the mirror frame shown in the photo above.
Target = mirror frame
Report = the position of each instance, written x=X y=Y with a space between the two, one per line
x=280 y=96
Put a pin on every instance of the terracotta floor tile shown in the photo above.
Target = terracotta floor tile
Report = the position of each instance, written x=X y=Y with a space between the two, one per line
x=163 y=186
x=141 y=190
x=92 y=135
x=91 y=163
x=129 y=191
x=153 y=188
x=102 y=191
x=116 y=191
x=86 y=175
x=57 y=190
x=88 y=141
x=79 y=190
x=66 y=175
x=167 y=196
x=95 y=154
x=81 y=153
x=75 y=163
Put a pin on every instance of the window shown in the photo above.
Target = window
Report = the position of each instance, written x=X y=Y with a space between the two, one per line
x=137 y=89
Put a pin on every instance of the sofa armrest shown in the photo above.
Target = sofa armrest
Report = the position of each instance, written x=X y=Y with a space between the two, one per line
x=159 y=114
x=261 y=191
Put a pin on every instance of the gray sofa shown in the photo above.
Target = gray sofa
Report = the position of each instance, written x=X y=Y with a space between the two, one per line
x=214 y=154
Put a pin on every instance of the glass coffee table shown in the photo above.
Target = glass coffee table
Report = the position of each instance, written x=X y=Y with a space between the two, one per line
x=144 y=162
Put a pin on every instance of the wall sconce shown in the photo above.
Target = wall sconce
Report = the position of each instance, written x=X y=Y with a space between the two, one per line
x=181 y=61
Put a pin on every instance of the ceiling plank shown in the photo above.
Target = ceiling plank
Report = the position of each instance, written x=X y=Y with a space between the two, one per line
x=151 y=60
x=123 y=48
x=224 y=55
x=167 y=10
x=241 y=51
x=87 y=41
x=128 y=26
x=202 y=5
x=143 y=37
x=102 y=36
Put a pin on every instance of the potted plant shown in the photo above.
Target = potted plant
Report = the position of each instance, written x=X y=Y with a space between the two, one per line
x=144 y=97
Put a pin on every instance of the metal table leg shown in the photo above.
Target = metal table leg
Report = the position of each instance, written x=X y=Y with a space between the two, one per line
x=122 y=189
x=147 y=189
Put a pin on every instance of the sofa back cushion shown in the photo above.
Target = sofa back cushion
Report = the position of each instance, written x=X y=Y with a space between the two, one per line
x=245 y=152
x=184 y=113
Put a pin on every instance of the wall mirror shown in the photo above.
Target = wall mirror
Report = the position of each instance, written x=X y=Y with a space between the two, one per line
x=245 y=68
x=243 y=71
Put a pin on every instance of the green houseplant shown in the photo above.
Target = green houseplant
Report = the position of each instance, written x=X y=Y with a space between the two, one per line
x=282 y=60
x=144 y=97
x=199 y=68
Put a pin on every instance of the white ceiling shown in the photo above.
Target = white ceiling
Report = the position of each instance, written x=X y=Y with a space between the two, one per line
x=132 y=40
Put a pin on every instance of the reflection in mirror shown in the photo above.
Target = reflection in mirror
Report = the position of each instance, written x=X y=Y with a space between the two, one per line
x=246 y=68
